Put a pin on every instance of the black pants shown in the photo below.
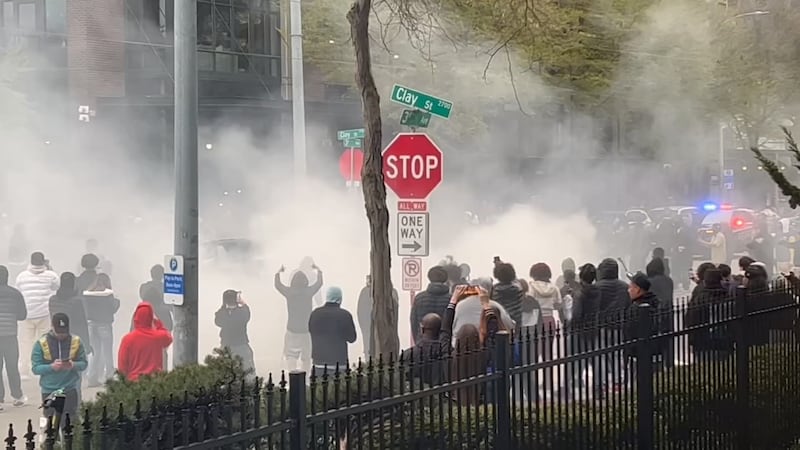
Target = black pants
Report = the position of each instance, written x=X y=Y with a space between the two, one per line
x=9 y=355
x=70 y=407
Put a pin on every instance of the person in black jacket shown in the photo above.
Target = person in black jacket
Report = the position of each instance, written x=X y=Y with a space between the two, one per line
x=434 y=299
x=299 y=303
x=101 y=306
x=613 y=303
x=709 y=305
x=331 y=328
x=232 y=319
x=12 y=311
x=508 y=291
x=364 y=314
x=640 y=294
x=89 y=264
x=662 y=286
x=585 y=309
x=68 y=301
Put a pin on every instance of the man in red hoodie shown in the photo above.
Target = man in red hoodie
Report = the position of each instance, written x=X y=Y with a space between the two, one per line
x=140 y=352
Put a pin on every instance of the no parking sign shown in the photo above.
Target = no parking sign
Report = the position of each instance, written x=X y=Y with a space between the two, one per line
x=412 y=274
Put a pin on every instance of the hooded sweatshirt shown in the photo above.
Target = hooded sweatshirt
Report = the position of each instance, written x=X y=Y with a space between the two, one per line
x=37 y=285
x=548 y=296
x=101 y=306
x=566 y=264
x=510 y=296
x=614 y=296
x=140 y=352
x=299 y=300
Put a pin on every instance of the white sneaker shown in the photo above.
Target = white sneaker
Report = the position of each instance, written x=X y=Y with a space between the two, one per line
x=20 y=401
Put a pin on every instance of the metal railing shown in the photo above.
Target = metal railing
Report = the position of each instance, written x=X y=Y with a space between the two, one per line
x=719 y=374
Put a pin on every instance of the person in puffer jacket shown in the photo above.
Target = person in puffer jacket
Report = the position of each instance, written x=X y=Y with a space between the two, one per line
x=614 y=297
x=101 y=305
x=434 y=299
x=548 y=296
x=37 y=284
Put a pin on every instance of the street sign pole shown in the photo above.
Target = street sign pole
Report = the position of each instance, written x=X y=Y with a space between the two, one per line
x=186 y=202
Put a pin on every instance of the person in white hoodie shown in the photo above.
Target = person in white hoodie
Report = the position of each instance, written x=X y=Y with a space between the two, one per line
x=37 y=284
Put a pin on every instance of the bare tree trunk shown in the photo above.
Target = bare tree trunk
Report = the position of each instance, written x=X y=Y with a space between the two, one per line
x=384 y=315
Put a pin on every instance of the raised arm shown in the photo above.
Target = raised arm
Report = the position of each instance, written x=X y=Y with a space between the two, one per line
x=279 y=285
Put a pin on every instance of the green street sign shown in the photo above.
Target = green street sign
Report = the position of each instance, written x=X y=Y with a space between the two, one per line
x=357 y=133
x=352 y=143
x=415 y=118
x=420 y=100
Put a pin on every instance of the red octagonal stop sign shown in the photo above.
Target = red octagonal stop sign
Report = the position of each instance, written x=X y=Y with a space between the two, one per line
x=412 y=165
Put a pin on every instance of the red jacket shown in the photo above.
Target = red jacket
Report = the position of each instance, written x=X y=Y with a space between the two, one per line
x=140 y=352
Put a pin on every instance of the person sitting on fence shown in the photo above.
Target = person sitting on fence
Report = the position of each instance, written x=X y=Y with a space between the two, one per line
x=58 y=358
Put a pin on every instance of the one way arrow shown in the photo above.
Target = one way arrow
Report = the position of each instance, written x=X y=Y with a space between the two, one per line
x=413 y=247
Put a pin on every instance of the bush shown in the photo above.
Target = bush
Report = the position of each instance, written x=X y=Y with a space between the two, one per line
x=128 y=411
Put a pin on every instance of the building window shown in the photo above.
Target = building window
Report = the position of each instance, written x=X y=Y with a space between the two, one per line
x=56 y=16
x=239 y=36
x=8 y=16
x=27 y=17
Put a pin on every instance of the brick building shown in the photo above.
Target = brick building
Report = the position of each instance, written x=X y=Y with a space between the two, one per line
x=115 y=56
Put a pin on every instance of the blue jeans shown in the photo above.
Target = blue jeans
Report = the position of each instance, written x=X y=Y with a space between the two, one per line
x=101 y=366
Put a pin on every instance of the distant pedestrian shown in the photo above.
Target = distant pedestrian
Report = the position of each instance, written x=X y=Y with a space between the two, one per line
x=232 y=319
x=58 y=358
x=88 y=273
x=140 y=352
x=718 y=245
x=299 y=303
x=434 y=299
x=101 y=306
x=331 y=328
x=104 y=265
x=12 y=311
x=37 y=284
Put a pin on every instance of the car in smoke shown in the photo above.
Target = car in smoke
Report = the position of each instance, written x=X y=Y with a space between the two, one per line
x=737 y=224
x=239 y=254
x=677 y=213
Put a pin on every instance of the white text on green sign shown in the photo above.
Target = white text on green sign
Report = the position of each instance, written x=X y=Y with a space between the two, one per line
x=420 y=100
x=357 y=133
x=352 y=143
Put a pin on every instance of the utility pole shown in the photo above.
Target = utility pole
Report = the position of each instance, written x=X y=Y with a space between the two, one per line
x=298 y=92
x=186 y=207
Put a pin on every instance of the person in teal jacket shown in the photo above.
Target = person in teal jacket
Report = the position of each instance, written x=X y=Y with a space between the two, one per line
x=58 y=358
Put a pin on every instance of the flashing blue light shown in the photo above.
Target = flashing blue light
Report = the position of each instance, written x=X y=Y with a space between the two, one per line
x=709 y=206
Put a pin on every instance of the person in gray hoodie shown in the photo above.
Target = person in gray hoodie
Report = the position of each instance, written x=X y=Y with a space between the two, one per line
x=12 y=310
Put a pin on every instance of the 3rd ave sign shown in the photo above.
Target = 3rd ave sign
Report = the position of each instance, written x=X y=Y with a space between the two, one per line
x=412 y=165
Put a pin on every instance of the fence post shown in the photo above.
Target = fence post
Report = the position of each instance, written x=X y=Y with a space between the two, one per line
x=644 y=378
x=742 y=369
x=297 y=410
x=502 y=405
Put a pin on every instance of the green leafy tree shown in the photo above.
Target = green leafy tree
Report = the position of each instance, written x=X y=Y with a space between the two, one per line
x=788 y=189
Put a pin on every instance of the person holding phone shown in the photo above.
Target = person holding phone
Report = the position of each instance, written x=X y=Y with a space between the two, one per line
x=58 y=358
x=232 y=318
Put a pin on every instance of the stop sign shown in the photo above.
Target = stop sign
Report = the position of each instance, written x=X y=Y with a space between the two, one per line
x=350 y=164
x=412 y=165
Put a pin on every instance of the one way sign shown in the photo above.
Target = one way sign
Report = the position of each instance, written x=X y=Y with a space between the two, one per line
x=412 y=234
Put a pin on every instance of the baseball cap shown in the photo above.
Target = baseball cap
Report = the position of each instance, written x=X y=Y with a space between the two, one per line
x=60 y=323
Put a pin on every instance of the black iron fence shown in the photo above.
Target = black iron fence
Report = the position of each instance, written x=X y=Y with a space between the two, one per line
x=716 y=374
